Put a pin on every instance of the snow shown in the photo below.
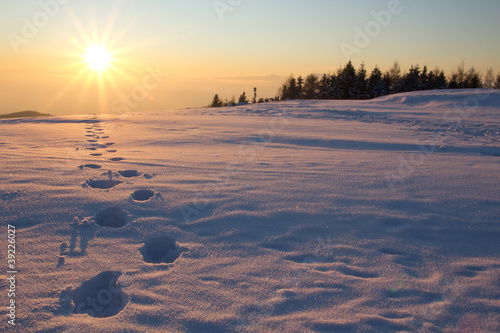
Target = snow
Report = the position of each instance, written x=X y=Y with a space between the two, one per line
x=296 y=216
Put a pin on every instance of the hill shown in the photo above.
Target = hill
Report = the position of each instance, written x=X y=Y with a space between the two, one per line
x=24 y=114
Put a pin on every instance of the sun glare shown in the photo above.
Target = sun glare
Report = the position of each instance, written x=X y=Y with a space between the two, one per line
x=97 y=57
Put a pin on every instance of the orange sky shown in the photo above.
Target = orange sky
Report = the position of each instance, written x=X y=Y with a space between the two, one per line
x=201 y=49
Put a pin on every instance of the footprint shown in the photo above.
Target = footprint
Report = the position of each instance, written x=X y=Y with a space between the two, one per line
x=391 y=251
x=112 y=151
x=475 y=268
x=112 y=217
x=105 y=137
x=92 y=148
x=358 y=273
x=142 y=195
x=98 y=297
x=103 y=184
x=96 y=154
x=116 y=159
x=161 y=250
x=129 y=173
x=90 y=166
x=109 y=144
x=471 y=271
x=92 y=140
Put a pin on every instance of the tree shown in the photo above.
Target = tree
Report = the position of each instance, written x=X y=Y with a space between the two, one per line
x=323 y=87
x=489 y=79
x=457 y=79
x=375 y=83
x=300 y=85
x=243 y=98
x=440 y=81
x=216 y=102
x=497 y=82
x=311 y=87
x=472 y=79
x=411 y=81
x=347 y=79
x=424 y=79
x=361 y=83
x=395 y=76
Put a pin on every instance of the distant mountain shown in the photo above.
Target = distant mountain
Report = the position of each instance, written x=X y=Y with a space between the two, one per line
x=24 y=114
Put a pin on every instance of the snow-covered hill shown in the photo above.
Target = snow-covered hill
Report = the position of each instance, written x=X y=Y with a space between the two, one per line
x=300 y=216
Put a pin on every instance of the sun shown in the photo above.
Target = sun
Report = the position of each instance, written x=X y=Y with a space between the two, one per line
x=97 y=57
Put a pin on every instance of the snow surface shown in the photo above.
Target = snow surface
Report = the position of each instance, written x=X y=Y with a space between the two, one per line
x=300 y=216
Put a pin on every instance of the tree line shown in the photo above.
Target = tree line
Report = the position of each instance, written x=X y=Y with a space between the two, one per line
x=351 y=83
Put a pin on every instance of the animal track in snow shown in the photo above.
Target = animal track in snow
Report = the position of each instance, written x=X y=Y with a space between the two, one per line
x=113 y=217
x=98 y=297
x=161 y=250
x=142 y=195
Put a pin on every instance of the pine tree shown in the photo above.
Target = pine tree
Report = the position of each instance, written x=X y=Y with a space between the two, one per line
x=347 y=79
x=361 y=83
x=283 y=92
x=216 y=102
x=323 y=87
x=375 y=83
x=335 y=91
x=472 y=79
x=440 y=81
x=291 y=88
x=311 y=87
x=243 y=98
x=411 y=80
x=300 y=88
x=423 y=79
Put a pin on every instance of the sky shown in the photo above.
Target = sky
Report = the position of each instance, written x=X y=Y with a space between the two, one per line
x=178 y=53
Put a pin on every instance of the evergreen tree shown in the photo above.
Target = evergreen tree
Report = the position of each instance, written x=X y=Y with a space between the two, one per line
x=300 y=88
x=411 y=80
x=431 y=81
x=347 y=79
x=323 y=87
x=472 y=79
x=283 y=92
x=243 y=98
x=387 y=81
x=424 y=79
x=311 y=87
x=292 y=88
x=216 y=102
x=440 y=79
x=335 y=91
x=361 y=83
x=375 y=83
